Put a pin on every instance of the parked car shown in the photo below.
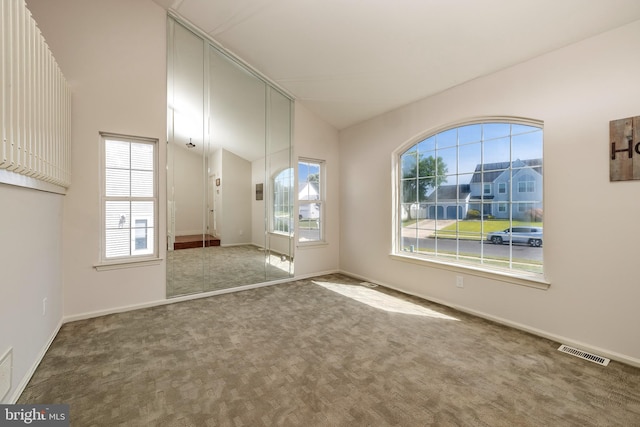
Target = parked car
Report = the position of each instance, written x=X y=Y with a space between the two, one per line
x=528 y=235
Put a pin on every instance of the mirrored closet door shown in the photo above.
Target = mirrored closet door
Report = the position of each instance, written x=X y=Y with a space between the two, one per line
x=229 y=172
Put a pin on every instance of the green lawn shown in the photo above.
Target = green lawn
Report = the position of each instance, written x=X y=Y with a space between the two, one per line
x=308 y=224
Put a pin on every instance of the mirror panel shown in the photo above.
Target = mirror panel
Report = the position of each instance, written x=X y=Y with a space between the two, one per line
x=281 y=179
x=221 y=190
x=185 y=174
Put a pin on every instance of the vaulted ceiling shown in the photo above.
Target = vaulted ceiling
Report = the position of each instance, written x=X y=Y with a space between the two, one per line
x=350 y=60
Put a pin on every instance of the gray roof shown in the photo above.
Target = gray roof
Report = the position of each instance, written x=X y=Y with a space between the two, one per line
x=450 y=192
x=494 y=170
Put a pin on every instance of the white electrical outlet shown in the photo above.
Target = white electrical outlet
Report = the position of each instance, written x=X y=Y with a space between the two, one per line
x=44 y=306
x=5 y=373
x=459 y=281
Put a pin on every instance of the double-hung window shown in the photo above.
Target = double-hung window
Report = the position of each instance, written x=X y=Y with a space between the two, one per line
x=463 y=189
x=310 y=200
x=129 y=198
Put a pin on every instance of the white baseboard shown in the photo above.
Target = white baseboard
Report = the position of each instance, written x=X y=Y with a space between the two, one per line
x=173 y=300
x=628 y=360
x=27 y=377
x=316 y=274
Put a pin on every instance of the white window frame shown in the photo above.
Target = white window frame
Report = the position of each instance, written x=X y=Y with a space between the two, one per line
x=320 y=201
x=274 y=223
x=486 y=189
x=529 y=186
x=107 y=263
x=534 y=280
x=502 y=188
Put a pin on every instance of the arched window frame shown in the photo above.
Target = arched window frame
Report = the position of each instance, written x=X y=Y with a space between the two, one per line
x=482 y=266
x=282 y=202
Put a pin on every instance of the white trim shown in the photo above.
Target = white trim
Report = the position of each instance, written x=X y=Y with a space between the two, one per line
x=317 y=274
x=172 y=300
x=129 y=139
x=127 y=263
x=632 y=361
x=27 y=377
x=311 y=244
x=515 y=279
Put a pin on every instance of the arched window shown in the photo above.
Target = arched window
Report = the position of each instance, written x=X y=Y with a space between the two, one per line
x=282 y=218
x=472 y=194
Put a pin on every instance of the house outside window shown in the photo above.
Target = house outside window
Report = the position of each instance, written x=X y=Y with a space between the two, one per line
x=282 y=220
x=446 y=205
x=310 y=201
x=129 y=198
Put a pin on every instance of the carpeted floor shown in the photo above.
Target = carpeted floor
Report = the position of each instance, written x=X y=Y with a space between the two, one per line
x=212 y=268
x=322 y=352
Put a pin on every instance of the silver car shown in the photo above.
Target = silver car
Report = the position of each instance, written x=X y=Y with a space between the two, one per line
x=528 y=235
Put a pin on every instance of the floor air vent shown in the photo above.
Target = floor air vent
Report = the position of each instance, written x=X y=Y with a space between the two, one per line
x=369 y=284
x=584 y=355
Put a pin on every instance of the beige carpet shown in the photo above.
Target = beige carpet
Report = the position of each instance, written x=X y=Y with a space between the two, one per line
x=322 y=352
x=191 y=271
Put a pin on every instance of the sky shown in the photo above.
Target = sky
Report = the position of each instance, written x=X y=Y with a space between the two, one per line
x=481 y=143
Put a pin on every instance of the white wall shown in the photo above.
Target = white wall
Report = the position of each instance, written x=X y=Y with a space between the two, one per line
x=188 y=177
x=591 y=230
x=113 y=54
x=258 y=206
x=315 y=139
x=30 y=270
x=235 y=188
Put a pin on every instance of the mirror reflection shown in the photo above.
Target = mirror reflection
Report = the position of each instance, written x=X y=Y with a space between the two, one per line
x=229 y=175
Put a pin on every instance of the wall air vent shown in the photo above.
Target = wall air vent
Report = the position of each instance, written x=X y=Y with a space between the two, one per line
x=584 y=355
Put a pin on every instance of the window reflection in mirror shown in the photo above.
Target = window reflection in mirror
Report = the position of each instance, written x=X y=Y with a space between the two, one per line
x=229 y=131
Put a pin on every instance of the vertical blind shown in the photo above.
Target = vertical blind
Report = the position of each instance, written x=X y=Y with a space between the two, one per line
x=35 y=101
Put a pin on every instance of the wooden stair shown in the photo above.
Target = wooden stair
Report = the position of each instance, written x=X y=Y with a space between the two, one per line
x=195 y=241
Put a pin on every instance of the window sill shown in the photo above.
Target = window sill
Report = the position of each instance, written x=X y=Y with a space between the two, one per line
x=117 y=265
x=531 y=281
x=312 y=244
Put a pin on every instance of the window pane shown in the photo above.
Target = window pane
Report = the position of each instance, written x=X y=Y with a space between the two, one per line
x=427 y=145
x=141 y=183
x=497 y=152
x=116 y=154
x=483 y=191
x=448 y=163
x=520 y=129
x=142 y=156
x=409 y=164
x=117 y=214
x=129 y=173
x=117 y=183
x=310 y=213
x=448 y=138
x=527 y=146
x=117 y=242
x=471 y=133
x=470 y=157
x=495 y=130
x=142 y=210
